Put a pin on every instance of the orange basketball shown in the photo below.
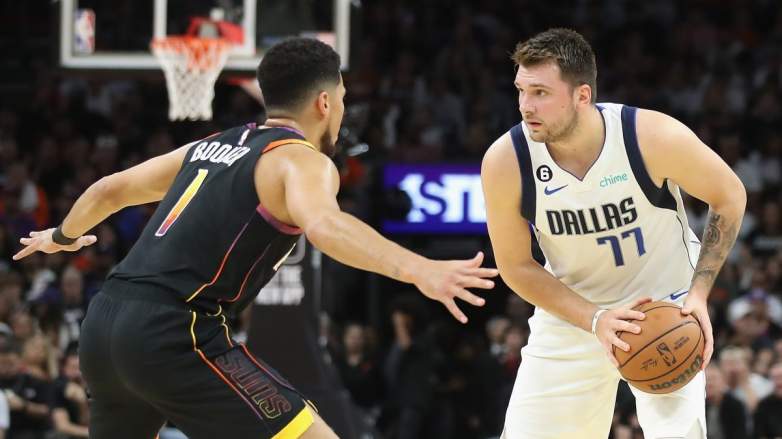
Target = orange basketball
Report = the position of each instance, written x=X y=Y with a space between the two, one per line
x=668 y=352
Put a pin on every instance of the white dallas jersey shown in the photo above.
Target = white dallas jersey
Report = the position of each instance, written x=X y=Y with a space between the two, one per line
x=613 y=236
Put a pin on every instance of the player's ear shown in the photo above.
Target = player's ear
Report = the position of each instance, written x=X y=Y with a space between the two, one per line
x=323 y=103
x=584 y=94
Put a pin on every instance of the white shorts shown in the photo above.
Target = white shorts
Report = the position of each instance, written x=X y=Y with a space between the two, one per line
x=566 y=388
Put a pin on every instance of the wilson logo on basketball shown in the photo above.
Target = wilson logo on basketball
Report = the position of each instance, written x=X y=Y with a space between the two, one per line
x=668 y=344
x=666 y=353
x=682 y=377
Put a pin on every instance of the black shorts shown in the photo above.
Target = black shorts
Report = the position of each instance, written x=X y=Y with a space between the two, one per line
x=147 y=358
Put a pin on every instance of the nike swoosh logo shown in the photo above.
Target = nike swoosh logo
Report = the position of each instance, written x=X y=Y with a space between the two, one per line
x=548 y=191
x=675 y=296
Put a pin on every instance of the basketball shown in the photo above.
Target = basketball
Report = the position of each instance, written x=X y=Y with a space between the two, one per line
x=668 y=352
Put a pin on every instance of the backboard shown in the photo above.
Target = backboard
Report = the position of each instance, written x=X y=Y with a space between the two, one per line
x=115 y=34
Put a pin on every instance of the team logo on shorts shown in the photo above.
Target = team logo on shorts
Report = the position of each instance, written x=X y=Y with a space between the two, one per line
x=666 y=353
x=253 y=383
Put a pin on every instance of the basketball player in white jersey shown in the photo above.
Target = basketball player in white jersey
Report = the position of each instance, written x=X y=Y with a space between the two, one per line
x=598 y=185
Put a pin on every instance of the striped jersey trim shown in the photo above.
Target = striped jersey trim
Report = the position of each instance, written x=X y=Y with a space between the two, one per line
x=277 y=143
x=297 y=426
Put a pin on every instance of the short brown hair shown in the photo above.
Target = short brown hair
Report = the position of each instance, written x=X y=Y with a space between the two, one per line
x=567 y=49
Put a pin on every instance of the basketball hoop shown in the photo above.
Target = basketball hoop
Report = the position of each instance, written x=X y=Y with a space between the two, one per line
x=191 y=65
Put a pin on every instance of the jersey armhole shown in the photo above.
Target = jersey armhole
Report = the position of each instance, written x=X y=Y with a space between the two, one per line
x=659 y=197
x=528 y=192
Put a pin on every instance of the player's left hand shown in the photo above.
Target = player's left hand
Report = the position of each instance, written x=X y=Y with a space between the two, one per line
x=695 y=304
x=42 y=241
x=444 y=281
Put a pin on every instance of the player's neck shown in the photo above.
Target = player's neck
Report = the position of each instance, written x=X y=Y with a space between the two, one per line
x=584 y=143
x=284 y=122
x=309 y=132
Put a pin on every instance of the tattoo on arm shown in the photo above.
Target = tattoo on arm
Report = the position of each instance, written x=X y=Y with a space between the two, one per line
x=718 y=238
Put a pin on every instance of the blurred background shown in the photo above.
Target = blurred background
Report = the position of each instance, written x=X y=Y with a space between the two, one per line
x=429 y=89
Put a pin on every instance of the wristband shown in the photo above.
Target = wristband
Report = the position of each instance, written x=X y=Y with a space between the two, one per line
x=61 y=239
x=595 y=317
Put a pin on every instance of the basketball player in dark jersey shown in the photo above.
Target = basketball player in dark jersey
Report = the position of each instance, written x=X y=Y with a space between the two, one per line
x=155 y=345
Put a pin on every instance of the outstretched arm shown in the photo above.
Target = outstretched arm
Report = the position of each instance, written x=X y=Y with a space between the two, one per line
x=144 y=183
x=672 y=151
x=311 y=184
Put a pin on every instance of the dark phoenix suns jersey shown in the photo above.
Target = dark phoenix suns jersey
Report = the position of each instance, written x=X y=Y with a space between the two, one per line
x=210 y=241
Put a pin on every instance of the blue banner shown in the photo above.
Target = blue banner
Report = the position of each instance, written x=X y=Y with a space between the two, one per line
x=445 y=198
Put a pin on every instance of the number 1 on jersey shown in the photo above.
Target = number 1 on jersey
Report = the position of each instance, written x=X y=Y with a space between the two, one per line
x=183 y=201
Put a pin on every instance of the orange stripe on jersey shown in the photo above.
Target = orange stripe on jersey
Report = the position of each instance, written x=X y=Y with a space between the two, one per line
x=222 y=264
x=277 y=143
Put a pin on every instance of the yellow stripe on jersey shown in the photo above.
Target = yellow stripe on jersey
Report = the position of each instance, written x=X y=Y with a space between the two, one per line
x=297 y=426
x=183 y=201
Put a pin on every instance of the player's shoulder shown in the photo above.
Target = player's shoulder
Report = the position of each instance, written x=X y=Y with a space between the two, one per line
x=659 y=130
x=499 y=151
x=291 y=150
x=500 y=162
x=643 y=116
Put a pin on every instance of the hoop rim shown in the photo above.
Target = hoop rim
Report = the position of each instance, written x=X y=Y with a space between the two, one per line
x=179 y=43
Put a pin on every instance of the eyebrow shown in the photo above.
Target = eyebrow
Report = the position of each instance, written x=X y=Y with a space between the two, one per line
x=534 y=85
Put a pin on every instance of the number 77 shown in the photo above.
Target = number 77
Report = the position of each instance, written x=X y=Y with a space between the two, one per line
x=617 y=249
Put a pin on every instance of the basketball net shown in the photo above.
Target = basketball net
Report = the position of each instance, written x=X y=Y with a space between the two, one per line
x=191 y=66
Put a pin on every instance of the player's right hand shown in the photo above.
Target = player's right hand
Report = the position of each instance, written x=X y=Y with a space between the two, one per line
x=617 y=320
x=42 y=241
x=443 y=281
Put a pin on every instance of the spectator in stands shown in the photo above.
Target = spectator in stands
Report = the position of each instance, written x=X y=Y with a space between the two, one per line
x=70 y=412
x=496 y=328
x=39 y=359
x=766 y=239
x=757 y=315
x=5 y=416
x=744 y=385
x=31 y=200
x=359 y=371
x=11 y=291
x=726 y=416
x=6 y=249
x=434 y=78
x=768 y=416
x=409 y=373
x=515 y=339
x=66 y=307
x=22 y=325
x=27 y=396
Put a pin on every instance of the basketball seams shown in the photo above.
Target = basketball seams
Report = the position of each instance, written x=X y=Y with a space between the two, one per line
x=664 y=305
x=684 y=362
x=661 y=335
x=661 y=305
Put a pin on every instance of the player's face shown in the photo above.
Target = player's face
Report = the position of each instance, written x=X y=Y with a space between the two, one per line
x=546 y=102
x=328 y=140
